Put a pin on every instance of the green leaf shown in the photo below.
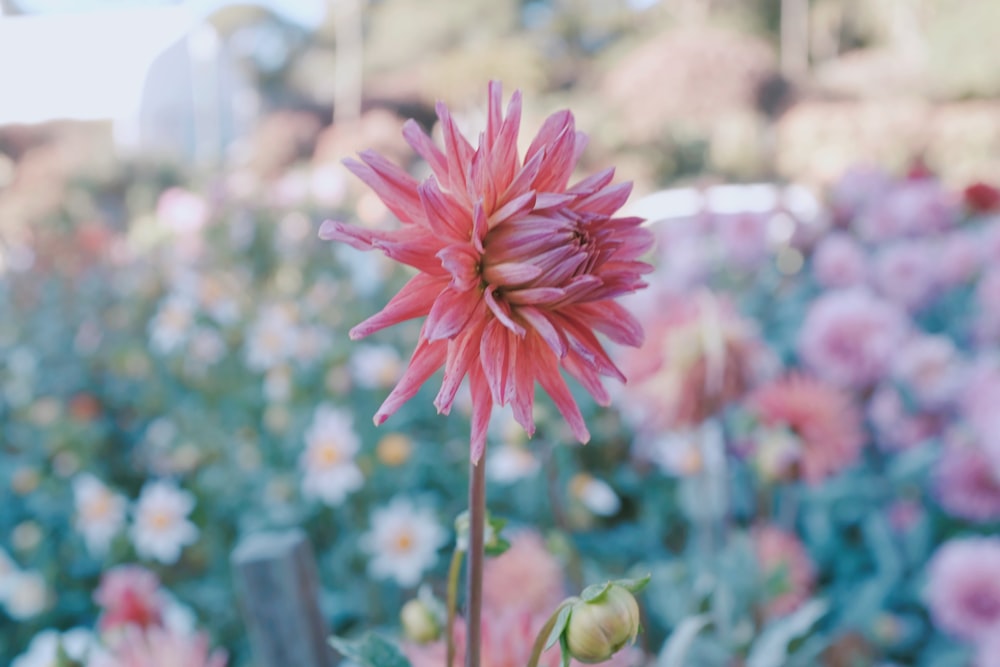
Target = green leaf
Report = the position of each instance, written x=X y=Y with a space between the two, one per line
x=773 y=646
x=562 y=620
x=564 y=648
x=370 y=651
x=675 y=650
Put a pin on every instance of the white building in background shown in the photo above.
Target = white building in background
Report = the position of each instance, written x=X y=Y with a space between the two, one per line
x=159 y=72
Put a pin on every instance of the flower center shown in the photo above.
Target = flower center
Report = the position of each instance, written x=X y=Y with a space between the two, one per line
x=403 y=542
x=97 y=508
x=160 y=520
x=328 y=454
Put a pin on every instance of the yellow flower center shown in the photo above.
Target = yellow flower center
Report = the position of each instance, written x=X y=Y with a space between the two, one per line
x=97 y=508
x=404 y=541
x=328 y=454
x=160 y=519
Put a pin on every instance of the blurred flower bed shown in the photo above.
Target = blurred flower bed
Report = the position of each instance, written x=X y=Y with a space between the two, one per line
x=807 y=456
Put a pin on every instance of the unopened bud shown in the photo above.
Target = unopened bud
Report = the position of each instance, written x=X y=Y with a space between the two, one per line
x=600 y=627
x=419 y=622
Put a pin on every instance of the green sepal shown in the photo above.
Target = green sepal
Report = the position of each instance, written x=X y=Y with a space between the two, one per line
x=562 y=620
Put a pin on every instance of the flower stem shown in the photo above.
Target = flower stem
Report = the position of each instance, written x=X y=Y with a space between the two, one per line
x=453 y=572
x=474 y=589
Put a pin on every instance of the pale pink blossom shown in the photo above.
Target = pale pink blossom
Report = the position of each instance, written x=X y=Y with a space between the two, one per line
x=700 y=355
x=839 y=261
x=129 y=595
x=963 y=587
x=743 y=237
x=958 y=258
x=163 y=647
x=988 y=651
x=823 y=419
x=526 y=576
x=904 y=273
x=858 y=189
x=516 y=268
x=912 y=207
x=929 y=367
x=966 y=484
x=987 y=312
x=848 y=337
x=784 y=567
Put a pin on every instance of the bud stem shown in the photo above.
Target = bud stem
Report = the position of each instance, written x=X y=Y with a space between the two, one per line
x=453 y=574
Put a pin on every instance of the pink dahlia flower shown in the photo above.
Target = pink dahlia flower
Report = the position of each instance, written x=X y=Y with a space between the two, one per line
x=699 y=356
x=930 y=368
x=959 y=258
x=526 y=576
x=839 y=261
x=130 y=596
x=785 y=568
x=966 y=484
x=988 y=651
x=823 y=419
x=904 y=273
x=516 y=268
x=848 y=337
x=963 y=587
x=160 y=647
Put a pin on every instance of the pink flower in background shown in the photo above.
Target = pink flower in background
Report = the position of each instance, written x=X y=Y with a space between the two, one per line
x=848 y=337
x=839 y=261
x=963 y=587
x=161 y=647
x=988 y=651
x=526 y=576
x=966 y=484
x=823 y=419
x=904 y=273
x=958 y=257
x=929 y=367
x=784 y=568
x=699 y=356
x=987 y=314
x=858 y=189
x=516 y=269
x=743 y=237
x=913 y=207
x=129 y=595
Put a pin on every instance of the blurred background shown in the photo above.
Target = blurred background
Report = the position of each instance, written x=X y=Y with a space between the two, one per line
x=175 y=373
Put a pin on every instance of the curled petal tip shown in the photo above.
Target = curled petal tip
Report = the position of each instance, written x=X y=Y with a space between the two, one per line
x=379 y=418
x=356 y=334
x=328 y=230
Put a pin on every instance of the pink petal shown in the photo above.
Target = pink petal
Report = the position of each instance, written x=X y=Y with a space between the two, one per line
x=613 y=320
x=534 y=296
x=426 y=149
x=502 y=312
x=524 y=389
x=606 y=201
x=544 y=328
x=498 y=355
x=504 y=150
x=462 y=262
x=480 y=226
x=482 y=406
x=586 y=376
x=450 y=312
x=511 y=273
x=524 y=178
x=592 y=184
x=396 y=188
x=554 y=127
x=463 y=350
x=516 y=207
x=426 y=359
x=457 y=149
x=413 y=300
x=444 y=215
x=554 y=384
x=494 y=115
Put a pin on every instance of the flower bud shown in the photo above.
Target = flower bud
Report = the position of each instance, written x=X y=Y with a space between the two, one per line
x=419 y=622
x=600 y=627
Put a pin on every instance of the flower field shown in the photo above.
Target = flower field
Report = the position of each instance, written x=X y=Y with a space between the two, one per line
x=803 y=458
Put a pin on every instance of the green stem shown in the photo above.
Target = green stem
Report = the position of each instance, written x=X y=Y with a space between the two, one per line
x=453 y=571
x=474 y=588
x=543 y=635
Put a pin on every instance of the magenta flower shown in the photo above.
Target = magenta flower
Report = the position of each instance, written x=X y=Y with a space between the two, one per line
x=161 y=647
x=966 y=484
x=785 y=568
x=963 y=587
x=516 y=269
x=905 y=273
x=839 y=261
x=129 y=595
x=848 y=337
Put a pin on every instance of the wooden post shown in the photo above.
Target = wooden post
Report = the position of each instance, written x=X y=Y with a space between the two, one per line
x=277 y=579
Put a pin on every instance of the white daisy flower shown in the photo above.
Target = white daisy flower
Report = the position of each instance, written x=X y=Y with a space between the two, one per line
x=273 y=338
x=206 y=348
x=329 y=470
x=27 y=595
x=375 y=366
x=100 y=512
x=172 y=324
x=161 y=529
x=403 y=542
